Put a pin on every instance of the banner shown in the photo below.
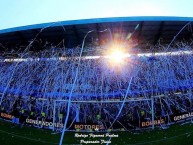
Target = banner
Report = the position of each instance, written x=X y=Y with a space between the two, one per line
x=44 y=123
x=149 y=123
x=183 y=116
x=6 y=116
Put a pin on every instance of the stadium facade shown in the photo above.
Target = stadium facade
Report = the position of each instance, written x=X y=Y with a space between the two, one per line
x=61 y=74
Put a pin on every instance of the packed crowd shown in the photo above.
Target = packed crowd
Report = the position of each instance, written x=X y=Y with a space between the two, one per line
x=29 y=88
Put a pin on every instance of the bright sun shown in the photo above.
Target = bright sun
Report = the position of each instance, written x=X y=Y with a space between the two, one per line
x=116 y=56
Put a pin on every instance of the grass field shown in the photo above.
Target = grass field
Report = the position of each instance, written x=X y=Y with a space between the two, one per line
x=15 y=135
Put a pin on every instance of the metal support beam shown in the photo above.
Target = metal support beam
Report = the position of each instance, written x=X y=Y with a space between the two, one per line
x=76 y=34
x=152 y=111
x=54 y=114
x=98 y=35
x=157 y=37
x=140 y=31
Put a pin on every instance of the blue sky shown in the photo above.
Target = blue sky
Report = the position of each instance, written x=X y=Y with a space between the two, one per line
x=15 y=13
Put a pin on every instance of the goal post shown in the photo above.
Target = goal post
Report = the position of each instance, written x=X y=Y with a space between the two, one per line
x=115 y=101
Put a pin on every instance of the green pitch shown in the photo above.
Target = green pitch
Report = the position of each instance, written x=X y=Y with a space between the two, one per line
x=15 y=135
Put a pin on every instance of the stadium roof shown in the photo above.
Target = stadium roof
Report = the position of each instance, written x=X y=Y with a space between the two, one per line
x=150 y=30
